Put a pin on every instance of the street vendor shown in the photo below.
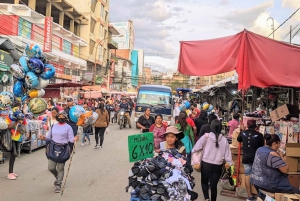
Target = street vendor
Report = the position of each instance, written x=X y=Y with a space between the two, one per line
x=173 y=140
x=18 y=126
x=269 y=170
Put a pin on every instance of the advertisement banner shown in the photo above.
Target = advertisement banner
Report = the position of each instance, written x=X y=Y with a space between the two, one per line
x=10 y=22
x=37 y=34
x=67 y=47
x=48 y=34
x=123 y=42
x=24 y=28
x=57 y=44
x=75 y=51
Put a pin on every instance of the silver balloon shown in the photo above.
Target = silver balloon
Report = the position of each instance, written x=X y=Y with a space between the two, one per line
x=17 y=71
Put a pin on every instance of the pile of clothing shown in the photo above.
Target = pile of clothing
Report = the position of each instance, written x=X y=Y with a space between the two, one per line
x=165 y=177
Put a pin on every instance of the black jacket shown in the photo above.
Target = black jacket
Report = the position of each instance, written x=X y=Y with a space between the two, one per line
x=204 y=129
x=251 y=140
x=200 y=121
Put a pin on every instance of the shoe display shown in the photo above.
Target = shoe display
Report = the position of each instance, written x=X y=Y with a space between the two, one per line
x=11 y=176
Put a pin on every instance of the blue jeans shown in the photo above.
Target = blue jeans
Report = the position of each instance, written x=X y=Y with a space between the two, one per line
x=85 y=135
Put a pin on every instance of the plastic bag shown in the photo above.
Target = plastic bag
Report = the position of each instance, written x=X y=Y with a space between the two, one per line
x=5 y=140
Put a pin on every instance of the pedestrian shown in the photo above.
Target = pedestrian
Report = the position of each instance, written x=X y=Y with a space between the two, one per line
x=131 y=103
x=52 y=119
x=158 y=129
x=206 y=128
x=50 y=105
x=215 y=151
x=18 y=127
x=176 y=111
x=62 y=134
x=270 y=170
x=200 y=121
x=188 y=140
x=87 y=130
x=194 y=115
x=101 y=124
x=252 y=140
x=173 y=140
x=145 y=121
x=70 y=104
x=233 y=124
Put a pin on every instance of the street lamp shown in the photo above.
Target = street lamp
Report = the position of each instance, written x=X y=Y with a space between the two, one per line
x=272 y=26
x=95 y=66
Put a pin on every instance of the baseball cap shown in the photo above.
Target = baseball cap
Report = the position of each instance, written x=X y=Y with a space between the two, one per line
x=70 y=100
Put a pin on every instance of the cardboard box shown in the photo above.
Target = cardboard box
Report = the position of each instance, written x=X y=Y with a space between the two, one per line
x=293 y=163
x=284 y=110
x=294 y=180
x=286 y=197
x=268 y=198
x=293 y=149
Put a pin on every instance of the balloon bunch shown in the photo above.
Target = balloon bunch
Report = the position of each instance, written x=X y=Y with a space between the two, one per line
x=32 y=73
x=81 y=117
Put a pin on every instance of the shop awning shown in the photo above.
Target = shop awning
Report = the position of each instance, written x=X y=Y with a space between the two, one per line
x=8 y=46
x=258 y=61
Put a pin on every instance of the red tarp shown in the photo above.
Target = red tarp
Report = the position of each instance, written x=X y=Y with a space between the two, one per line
x=259 y=61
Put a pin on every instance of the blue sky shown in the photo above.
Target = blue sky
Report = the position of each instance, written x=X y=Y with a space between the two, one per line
x=159 y=25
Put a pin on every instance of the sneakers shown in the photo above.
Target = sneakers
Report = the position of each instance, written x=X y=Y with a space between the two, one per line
x=96 y=146
x=11 y=176
x=57 y=189
x=82 y=144
x=100 y=147
x=251 y=199
x=15 y=174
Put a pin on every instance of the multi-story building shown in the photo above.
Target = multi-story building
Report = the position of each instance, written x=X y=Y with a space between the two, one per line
x=147 y=75
x=122 y=75
x=24 y=23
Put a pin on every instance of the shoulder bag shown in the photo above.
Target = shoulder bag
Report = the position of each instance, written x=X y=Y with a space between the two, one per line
x=197 y=156
x=56 y=152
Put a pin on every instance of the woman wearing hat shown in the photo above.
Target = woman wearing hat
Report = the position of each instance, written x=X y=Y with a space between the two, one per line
x=18 y=127
x=60 y=133
x=173 y=140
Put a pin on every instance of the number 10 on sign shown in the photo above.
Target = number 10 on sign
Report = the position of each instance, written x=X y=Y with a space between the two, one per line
x=140 y=146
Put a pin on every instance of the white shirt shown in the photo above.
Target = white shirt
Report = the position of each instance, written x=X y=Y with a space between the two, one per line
x=176 y=111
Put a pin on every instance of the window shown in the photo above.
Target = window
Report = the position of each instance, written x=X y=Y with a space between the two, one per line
x=92 y=45
x=124 y=63
x=104 y=53
x=102 y=12
x=93 y=5
x=93 y=24
x=106 y=14
x=67 y=71
x=105 y=34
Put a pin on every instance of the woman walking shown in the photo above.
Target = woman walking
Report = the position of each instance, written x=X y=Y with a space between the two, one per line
x=52 y=119
x=158 y=130
x=101 y=124
x=189 y=139
x=216 y=149
x=145 y=121
x=61 y=133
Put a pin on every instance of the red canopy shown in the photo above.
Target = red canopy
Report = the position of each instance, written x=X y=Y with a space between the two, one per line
x=259 y=61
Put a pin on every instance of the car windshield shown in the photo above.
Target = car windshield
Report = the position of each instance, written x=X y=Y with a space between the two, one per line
x=153 y=97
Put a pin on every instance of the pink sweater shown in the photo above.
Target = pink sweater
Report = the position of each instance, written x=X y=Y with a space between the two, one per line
x=212 y=154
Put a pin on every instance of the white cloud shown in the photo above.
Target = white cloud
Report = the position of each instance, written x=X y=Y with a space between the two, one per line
x=291 y=3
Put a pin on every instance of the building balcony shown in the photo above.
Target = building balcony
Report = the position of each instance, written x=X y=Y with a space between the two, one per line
x=112 y=44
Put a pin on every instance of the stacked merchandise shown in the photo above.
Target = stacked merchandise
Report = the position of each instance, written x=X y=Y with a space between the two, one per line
x=167 y=176
x=35 y=129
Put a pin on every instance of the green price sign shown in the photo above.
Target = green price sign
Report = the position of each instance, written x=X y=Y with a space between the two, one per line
x=140 y=146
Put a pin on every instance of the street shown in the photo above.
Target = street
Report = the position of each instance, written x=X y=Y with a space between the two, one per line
x=95 y=174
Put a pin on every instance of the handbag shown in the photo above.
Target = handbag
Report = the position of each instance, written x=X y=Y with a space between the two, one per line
x=197 y=156
x=56 y=152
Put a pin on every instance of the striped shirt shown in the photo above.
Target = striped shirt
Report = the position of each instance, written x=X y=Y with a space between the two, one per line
x=275 y=161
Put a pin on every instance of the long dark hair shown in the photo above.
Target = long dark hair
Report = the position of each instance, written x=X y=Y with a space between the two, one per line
x=270 y=138
x=178 y=144
x=182 y=121
x=216 y=128
x=101 y=108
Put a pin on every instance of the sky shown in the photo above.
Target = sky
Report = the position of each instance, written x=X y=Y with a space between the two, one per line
x=160 y=25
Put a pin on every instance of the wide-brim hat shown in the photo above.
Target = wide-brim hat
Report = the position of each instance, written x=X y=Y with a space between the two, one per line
x=175 y=131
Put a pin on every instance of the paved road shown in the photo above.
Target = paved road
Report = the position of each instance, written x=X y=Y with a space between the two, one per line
x=96 y=175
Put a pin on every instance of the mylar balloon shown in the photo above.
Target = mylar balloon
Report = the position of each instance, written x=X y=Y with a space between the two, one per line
x=31 y=80
x=18 y=89
x=205 y=106
x=17 y=71
x=49 y=72
x=210 y=108
x=34 y=93
x=3 y=124
x=37 y=106
x=33 y=50
x=92 y=119
x=6 y=99
x=23 y=62
x=6 y=79
x=187 y=105
x=44 y=58
x=75 y=113
x=84 y=116
x=42 y=83
x=36 y=65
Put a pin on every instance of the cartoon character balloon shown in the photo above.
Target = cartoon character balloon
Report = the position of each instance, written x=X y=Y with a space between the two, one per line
x=6 y=99
x=42 y=83
x=75 y=112
x=36 y=65
x=17 y=71
x=31 y=80
x=24 y=63
x=49 y=72
x=33 y=50
x=37 y=106
x=19 y=89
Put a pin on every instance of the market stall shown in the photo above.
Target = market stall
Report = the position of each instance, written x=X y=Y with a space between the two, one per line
x=260 y=62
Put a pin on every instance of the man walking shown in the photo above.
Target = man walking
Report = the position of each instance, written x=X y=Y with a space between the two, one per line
x=251 y=140
x=131 y=104
x=70 y=103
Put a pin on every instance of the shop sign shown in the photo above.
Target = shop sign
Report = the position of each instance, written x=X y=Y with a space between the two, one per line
x=24 y=28
x=75 y=51
x=140 y=146
x=48 y=34
x=5 y=60
x=63 y=76
x=67 y=47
